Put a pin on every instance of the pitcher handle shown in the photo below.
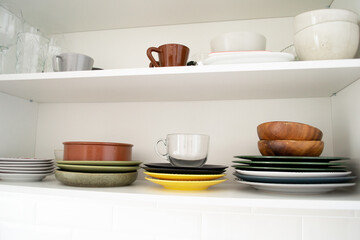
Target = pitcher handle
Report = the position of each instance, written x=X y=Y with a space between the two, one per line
x=150 y=56
x=163 y=140
x=56 y=62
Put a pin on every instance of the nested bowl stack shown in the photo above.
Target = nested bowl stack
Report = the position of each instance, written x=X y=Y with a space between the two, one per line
x=283 y=138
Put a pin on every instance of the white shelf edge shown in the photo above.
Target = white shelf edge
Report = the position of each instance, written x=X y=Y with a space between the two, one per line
x=227 y=194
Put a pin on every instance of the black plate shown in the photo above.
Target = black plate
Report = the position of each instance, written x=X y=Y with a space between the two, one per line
x=169 y=166
x=182 y=170
x=290 y=158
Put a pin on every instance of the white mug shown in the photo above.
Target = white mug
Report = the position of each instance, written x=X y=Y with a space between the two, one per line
x=185 y=150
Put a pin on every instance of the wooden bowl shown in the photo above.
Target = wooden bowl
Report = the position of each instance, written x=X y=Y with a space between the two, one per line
x=97 y=151
x=280 y=130
x=290 y=148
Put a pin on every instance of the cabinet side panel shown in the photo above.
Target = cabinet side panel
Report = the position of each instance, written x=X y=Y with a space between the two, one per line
x=18 y=119
x=346 y=127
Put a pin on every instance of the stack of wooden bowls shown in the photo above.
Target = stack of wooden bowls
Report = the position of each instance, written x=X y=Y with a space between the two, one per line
x=282 y=138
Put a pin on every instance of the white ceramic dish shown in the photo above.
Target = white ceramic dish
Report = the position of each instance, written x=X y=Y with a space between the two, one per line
x=329 y=40
x=307 y=19
x=238 y=41
x=11 y=177
x=247 y=57
x=27 y=171
x=293 y=174
x=17 y=164
x=27 y=160
x=296 y=188
x=27 y=168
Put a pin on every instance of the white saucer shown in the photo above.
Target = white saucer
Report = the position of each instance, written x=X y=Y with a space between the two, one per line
x=247 y=57
x=293 y=174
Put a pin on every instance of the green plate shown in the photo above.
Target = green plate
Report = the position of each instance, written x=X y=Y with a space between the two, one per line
x=287 y=169
x=97 y=169
x=101 y=163
x=292 y=164
x=290 y=158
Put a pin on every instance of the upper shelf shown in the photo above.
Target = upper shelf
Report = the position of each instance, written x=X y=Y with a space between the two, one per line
x=302 y=79
x=54 y=16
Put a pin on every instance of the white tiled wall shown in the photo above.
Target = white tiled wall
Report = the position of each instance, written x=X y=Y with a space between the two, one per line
x=36 y=216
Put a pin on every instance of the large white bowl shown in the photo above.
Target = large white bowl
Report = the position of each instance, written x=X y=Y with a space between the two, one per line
x=238 y=41
x=307 y=19
x=330 y=40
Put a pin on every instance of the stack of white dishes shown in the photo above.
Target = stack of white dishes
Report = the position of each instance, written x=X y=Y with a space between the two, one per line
x=237 y=57
x=292 y=174
x=242 y=47
x=25 y=169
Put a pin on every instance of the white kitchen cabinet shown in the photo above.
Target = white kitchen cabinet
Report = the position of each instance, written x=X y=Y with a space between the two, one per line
x=131 y=103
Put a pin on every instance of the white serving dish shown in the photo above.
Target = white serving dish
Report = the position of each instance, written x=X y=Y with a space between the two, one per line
x=325 y=41
x=247 y=57
x=306 y=19
x=19 y=177
x=238 y=41
x=293 y=174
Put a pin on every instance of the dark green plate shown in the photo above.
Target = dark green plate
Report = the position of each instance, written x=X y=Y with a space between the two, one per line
x=290 y=158
x=288 y=169
x=291 y=164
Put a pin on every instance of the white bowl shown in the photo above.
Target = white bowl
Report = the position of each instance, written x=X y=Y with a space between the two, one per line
x=330 y=40
x=238 y=41
x=307 y=19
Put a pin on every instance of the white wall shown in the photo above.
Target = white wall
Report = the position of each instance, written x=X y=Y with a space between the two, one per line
x=126 y=48
x=18 y=120
x=230 y=124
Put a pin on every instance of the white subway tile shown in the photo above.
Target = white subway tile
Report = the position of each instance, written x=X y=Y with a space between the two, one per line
x=235 y=226
x=16 y=231
x=157 y=222
x=315 y=228
x=70 y=213
x=106 y=235
x=304 y=212
x=17 y=209
x=203 y=207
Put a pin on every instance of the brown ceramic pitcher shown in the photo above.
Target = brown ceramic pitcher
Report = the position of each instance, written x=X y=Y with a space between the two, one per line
x=169 y=55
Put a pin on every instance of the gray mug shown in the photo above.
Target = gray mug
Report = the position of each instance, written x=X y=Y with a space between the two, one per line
x=72 y=62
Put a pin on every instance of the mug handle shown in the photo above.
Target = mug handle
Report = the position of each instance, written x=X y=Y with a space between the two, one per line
x=150 y=56
x=56 y=62
x=163 y=140
x=151 y=65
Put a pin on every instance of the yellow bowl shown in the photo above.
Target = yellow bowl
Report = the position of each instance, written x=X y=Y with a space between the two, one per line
x=185 y=185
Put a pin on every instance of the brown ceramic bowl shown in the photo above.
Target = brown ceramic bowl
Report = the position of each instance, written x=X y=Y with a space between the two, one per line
x=97 y=151
x=280 y=130
x=290 y=148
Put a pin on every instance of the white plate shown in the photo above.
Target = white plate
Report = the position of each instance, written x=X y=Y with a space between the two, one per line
x=11 y=177
x=296 y=188
x=293 y=174
x=247 y=57
x=26 y=164
x=27 y=171
x=47 y=168
x=26 y=160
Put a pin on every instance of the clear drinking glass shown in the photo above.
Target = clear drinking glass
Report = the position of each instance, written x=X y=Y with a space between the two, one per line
x=31 y=52
x=10 y=26
x=185 y=150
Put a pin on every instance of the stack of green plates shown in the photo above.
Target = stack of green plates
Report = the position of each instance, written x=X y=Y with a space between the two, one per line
x=97 y=173
x=293 y=174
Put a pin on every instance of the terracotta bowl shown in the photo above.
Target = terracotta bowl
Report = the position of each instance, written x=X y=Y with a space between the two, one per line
x=290 y=148
x=280 y=130
x=97 y=151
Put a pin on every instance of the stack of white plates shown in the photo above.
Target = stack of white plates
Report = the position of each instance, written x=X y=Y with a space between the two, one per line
x=247 y=57
x=25 y=169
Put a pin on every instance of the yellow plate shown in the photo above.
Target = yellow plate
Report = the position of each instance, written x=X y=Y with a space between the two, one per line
x=184 y=177
x=186 y=185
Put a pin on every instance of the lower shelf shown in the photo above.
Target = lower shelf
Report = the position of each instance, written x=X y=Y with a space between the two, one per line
x=224 y=194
